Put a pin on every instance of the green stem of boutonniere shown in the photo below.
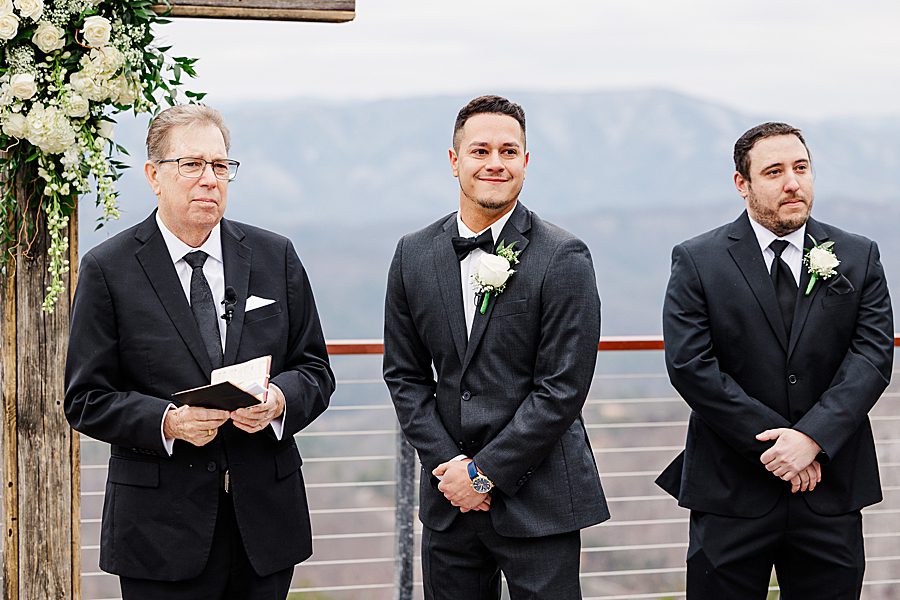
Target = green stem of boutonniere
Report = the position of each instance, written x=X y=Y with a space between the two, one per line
x=484 y=303
x=812 y=281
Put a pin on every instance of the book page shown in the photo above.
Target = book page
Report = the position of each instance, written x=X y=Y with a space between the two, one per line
x=251 y=376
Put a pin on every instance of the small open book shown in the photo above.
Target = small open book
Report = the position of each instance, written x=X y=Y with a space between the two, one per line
x=231 y=387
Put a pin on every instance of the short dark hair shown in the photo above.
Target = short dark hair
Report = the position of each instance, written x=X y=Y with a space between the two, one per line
x=746 y=142
x=494 y=105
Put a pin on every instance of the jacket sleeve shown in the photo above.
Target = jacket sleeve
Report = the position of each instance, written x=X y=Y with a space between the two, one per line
x=865 y=371
x=307 y=380
x=564 y=368
x=98 y=401
x=409 y=375
x=694 y=368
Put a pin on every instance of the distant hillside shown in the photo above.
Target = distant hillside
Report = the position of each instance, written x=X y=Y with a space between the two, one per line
x=631 y=172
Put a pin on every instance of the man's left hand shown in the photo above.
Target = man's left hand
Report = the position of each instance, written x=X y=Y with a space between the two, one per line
x=255 y=418
x=457 y=487
x=792 y=452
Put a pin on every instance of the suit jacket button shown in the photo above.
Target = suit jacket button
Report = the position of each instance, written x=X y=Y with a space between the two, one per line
x=210 y=466
x=466 y=395
x=792 y=379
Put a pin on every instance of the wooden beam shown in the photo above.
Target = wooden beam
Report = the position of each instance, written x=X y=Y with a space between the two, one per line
x=325 y=11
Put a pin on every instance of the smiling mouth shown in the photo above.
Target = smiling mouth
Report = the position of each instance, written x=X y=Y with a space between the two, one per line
x=492 y=180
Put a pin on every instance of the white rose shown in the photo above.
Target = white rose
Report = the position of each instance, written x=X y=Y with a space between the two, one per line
x=30 y=8
x=76 y=106
x=48 y=37
x=22 y=85
x=9 y=27
x=822 y=262
x=15 y=125
x=106 y=129
x=493 y=270
x=96 y=31
x=6 y=8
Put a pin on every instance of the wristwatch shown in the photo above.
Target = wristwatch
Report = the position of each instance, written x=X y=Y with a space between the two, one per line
x=480 y=483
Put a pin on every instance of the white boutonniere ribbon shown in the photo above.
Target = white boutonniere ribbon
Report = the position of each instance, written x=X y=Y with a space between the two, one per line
x=820 y=262
x=492 y=274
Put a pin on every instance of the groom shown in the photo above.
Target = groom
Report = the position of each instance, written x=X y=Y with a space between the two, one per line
x=491 y=327
x=779 y=336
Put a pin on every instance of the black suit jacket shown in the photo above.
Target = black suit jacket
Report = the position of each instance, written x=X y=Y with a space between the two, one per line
x=511 y=395
x=134 y=342
x=729 y=357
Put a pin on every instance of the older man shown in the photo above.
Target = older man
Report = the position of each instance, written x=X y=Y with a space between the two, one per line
x=200 y=503
x=779 y=336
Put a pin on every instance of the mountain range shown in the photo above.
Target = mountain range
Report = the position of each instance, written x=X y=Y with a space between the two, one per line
x=632 y=172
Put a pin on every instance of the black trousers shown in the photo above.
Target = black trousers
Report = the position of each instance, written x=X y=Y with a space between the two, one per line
x=816 y=557
x=465 y=561
x=228 y=574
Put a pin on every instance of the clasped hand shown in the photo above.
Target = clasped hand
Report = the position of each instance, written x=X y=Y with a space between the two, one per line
x=792 y=458
x=457 y=486
x=199 y=426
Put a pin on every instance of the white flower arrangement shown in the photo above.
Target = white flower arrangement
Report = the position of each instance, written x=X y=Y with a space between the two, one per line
x=820 y=262
x=493 y=272
x=67 y=66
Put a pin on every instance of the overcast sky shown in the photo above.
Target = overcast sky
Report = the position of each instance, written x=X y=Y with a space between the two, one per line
x=803 y=58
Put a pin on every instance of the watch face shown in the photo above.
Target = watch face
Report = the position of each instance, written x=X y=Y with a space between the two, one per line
x=482 y=484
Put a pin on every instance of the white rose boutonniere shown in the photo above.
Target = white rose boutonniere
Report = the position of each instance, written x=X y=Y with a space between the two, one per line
x=492 y=274
x=820 y=261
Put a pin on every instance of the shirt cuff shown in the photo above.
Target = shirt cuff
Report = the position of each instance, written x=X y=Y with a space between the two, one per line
x=277 y=424
x=168 y=443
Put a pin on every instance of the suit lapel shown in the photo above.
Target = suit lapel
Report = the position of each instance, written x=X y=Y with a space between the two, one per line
x=748 y=257
x=446 y=265
x=804 y=302
x=236 y=257
x=518 y=224
x=157 y=264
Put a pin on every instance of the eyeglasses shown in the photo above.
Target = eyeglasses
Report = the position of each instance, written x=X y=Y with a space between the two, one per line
x=226 y=170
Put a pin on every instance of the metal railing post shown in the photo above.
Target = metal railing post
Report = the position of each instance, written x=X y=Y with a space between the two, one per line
x=404 y=519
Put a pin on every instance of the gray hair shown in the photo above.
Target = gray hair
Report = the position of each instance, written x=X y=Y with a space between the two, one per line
x=177 y=116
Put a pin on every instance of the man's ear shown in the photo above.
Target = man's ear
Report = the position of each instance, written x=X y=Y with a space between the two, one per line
x=454 y=162
x=151 y=172
x=742 y=185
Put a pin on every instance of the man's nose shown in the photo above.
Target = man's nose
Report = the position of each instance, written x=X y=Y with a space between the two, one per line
x=494 y=163
x=792 y=184
x=207 y=176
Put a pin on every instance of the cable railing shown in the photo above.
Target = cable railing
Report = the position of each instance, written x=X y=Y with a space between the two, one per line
x=361 y=480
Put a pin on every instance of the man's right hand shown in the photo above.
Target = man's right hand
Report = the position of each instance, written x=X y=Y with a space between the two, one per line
x=195 y=425
x=807 y=479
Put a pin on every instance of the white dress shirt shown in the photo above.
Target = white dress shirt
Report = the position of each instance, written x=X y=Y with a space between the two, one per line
x=793 y=253
x=467 y=268
x=469 y=264
x=214 y=271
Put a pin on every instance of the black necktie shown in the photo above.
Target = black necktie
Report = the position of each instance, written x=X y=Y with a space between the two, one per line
x=463 y=245
x=785 y=286
x=204 y=307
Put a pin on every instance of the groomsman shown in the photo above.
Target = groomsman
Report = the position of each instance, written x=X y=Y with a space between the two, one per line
x=492 y=320
x=779 y=335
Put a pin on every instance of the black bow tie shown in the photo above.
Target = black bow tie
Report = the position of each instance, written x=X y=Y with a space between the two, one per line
x=463 y=245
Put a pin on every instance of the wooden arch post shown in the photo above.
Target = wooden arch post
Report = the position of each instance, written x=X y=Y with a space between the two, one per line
x=40 y=453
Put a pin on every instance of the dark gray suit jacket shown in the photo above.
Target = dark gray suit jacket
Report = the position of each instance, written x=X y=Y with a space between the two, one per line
x=511 y=395
x=729 y=357
x=134 y=342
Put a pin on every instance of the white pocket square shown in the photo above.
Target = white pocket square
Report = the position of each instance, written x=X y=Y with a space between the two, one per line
x=254 y=302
